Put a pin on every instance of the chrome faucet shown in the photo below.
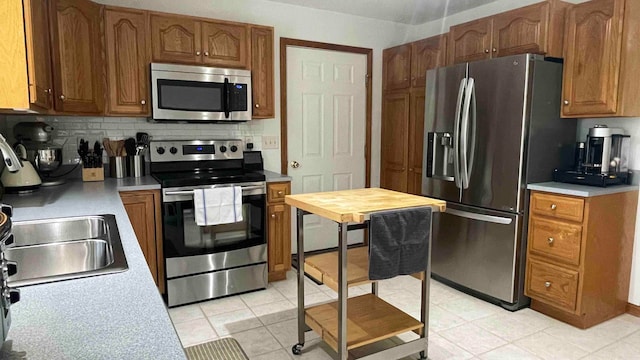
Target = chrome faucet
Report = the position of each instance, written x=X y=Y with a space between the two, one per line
x=11 y=160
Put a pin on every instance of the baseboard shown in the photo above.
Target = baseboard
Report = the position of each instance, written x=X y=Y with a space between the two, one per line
x=633 y=309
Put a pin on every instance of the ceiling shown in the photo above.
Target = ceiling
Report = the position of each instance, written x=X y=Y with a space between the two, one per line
x=412 y=12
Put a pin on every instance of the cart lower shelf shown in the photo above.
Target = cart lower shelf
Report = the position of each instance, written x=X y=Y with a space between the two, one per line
x=369 y=319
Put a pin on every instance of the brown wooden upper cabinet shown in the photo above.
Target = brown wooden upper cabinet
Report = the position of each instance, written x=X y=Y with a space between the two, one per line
x=38 y=49
x=192 y=41
x=406 y=65
x=536 y=29
x=127 y=62
x=262 y=72
x=602 y=55
x=78 y=67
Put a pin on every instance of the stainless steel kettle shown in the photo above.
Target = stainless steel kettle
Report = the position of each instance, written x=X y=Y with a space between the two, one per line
x=24 y=180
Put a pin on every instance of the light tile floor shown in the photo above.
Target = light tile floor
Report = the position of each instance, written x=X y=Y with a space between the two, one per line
x=461 y=327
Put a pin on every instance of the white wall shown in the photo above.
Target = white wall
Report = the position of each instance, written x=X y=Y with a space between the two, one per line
x=299 y=23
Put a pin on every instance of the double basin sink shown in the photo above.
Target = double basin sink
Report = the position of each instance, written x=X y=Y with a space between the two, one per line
x=65 y=248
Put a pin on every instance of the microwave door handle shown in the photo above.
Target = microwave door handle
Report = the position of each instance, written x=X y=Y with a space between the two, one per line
x=226 y=98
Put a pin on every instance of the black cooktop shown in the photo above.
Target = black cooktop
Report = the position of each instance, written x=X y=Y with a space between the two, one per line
x=208 y=177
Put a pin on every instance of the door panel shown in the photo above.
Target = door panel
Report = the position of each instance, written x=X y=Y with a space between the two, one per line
x=326 y=108
x=395 y=136
x=521 y=31
x=442 y=89
x=470 y=41
x=262 y=72
x=494 y=179
x=475 y=252
x=427 y=54
x=416 y=141
x=397 y=67
x=175 y=39
x=37 y=32
x=224 y=44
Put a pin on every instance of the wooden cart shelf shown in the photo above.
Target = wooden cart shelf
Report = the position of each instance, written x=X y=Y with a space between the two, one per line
x=369 y=319
x=324 y=267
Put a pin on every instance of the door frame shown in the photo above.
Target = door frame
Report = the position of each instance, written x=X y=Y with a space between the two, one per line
x=284 y=42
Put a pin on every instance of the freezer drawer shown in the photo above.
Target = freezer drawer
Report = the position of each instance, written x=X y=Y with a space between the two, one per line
x=476 y=248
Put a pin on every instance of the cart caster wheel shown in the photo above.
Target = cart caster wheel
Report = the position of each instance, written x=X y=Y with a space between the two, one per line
x=297 y=349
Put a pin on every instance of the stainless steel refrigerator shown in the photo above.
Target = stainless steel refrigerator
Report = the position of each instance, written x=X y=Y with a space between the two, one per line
x=491 y=127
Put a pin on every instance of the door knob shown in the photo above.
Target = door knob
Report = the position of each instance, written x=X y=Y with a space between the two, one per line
x=62 y=97
x=547 y=284
x=143 y=102
x=566 y=102
x=206 y=53
x=554 y=206
x=486 y=51
x=550 y=240
x=257 y=105
x=198 y=53
x=295 y=164
x=495 y=50
x=273 y=215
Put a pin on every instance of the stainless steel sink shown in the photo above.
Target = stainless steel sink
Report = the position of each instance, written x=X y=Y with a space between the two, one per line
x=65 y=248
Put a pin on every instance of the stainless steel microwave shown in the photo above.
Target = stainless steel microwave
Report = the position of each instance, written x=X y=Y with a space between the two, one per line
x=200 y=93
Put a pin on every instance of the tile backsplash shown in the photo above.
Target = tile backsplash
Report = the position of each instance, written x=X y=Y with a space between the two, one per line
x=68 y=130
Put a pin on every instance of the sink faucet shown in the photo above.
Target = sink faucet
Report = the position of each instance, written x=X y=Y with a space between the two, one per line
x=11 y=160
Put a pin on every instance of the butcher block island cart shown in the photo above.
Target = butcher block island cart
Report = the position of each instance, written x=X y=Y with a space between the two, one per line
x=368 y=319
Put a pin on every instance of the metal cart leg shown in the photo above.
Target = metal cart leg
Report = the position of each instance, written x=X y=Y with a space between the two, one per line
x=343 y=292
x=424 y=308
x=374 y=288
x=297 y=348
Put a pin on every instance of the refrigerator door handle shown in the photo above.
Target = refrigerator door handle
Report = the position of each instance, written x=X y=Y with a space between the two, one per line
x=456 y=134
x=480 y=217
x=466 y=163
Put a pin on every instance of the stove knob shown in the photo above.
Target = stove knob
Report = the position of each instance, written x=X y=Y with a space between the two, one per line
x=234 y=148
x=12 y=296
x=8 y=242
x=11 y=267
x=160 y=150
x=223 y=148
x=7 y=209
x=173 y=150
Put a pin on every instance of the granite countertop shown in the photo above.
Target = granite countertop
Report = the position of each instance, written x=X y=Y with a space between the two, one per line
x=580 y=190
x=115 y=316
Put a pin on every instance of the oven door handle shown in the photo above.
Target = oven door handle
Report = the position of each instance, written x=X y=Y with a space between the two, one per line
x=190 y=192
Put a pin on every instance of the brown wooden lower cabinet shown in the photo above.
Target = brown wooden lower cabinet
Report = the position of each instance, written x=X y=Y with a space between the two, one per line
x=579 y=255
x=278 y=230
x=145 y=215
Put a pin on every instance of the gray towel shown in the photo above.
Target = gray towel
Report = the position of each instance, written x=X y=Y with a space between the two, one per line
x=399 y=242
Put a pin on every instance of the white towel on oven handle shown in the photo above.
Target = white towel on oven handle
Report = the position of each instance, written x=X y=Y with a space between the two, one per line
x=222 y=205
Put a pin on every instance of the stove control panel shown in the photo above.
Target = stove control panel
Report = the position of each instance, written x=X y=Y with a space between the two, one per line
x=195 y=150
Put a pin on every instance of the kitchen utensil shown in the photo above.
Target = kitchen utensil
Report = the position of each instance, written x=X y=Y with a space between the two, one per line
x=130 y=146
x=24 y=180
x=136 y=165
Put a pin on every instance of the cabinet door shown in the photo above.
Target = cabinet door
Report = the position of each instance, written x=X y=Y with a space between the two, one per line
x=175 y=39
x=279 y=241
x=395 y=138
x=470 y=41
x=127 y=62
x=140 y=209
x=416 y=141
x=38 y=53
x=396 y=64
x=521 y=31
x=262 y=72
x=427 y=54
x=592 y=58
x=225 y=44
x=78 y=68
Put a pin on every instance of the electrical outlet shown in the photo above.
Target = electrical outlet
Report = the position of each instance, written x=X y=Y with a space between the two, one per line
x=270 y=142
x=248 y=139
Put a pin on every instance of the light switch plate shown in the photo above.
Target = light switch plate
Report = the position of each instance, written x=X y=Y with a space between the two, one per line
x=270 y=142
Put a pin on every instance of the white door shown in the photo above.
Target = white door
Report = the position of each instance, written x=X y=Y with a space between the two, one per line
x=326 y=120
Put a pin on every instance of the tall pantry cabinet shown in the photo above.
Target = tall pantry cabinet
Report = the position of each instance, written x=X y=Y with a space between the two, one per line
x=404 y=81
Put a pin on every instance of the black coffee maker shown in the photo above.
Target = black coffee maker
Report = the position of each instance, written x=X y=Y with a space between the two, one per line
x=602 y=161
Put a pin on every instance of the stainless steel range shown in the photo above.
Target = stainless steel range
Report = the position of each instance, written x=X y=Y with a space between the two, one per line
x=8 y=295
x=206 y=262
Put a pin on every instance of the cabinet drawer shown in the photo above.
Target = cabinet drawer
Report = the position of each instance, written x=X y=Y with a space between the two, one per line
x=555 y=239
x=277 y=191
x=552 y=284
x=560 y=207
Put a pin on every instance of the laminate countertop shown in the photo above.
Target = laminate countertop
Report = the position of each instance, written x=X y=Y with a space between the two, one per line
x=115 y=316
x=580 y=190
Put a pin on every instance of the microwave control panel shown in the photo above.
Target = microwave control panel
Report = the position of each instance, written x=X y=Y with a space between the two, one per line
x=238 y=98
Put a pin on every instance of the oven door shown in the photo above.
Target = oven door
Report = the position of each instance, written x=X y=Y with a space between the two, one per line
x=190 y=249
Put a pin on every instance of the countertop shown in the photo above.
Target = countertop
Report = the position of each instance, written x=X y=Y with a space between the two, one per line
x=580 y=190
x=115 y=316
x=275 y=177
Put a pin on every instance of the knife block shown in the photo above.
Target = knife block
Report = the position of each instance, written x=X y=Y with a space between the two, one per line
x=93 y=174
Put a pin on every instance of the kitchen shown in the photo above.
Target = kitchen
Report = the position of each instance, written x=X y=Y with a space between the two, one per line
x=338 y=28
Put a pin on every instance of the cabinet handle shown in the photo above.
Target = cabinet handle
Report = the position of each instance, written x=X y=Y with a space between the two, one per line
x=143 y=102
x=554 y=206
x=486 y=51
x=550 y=240
x=495 y=50
x=280 y=192
x=406 y=79
x=257 y=105
x=48 y=91
x=206 y=53
x=273 y=215
x=62 y=97
x=198 y=53
x=547 y=284
x=410 y=169
x=566 y=102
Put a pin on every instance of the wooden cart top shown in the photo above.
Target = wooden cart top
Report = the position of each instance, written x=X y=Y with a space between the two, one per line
x=356 y=205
